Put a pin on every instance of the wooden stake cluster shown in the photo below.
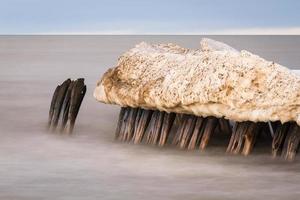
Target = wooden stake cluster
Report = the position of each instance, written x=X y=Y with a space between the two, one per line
x=286 y=140
x=184 y=131
x=279 y=138
x=197 y=133
x=65 y=104
x=136 y=124
x=243 y=137
x=154 y=127
x=192 y=132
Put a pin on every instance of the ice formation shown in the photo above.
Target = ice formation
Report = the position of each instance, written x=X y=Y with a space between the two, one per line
x=215 y=80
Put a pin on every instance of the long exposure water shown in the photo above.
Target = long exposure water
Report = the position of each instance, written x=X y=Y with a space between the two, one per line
x=36 y=164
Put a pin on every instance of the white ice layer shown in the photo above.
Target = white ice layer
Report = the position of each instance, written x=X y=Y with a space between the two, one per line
x=215 y=80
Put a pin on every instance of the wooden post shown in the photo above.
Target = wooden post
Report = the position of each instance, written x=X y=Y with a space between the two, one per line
x=166 y=128
x=65 y=104
x=279 y=137
x=291 y=143
x=58 y=103
x=182 y=120
x=250 y=137
x=77 y=95
x=52 y=105
x=66 y=107
x=237 y=137
x=131 y=123
x=243 y=137
x=225 y=126
x=143 y=118
x=211 y=124
x=154 y=129
x=123 y=124
x=120 y=122
x=187 y=128
x=197 y=133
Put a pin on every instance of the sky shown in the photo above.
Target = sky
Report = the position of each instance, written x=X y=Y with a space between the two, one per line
x=149 y=17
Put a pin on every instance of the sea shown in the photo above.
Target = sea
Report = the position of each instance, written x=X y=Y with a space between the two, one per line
x=89 y=164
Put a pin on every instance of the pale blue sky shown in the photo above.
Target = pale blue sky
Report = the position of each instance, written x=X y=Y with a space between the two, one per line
x=149 y=17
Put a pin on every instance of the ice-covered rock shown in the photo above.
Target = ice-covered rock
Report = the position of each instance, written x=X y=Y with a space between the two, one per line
x=215 y=80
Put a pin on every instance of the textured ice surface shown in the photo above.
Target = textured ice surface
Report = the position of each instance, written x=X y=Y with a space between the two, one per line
x=215 y=80
x=212 y=45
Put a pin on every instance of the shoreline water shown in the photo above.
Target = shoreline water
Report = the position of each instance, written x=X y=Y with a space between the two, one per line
x=35 y=164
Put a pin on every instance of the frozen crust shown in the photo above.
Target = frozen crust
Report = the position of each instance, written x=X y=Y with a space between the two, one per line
x=215 y=80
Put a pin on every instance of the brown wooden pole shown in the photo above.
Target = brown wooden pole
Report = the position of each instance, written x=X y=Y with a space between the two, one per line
x=77 y=95
x=120 y=122
x=292 y=143
x=197 y=133
x=187 y=129
x=137 y=121
x=123 y=123
x=211 y=124
x=130 y=124
x=250 y=137
x=154 y=129
x=279 y=137
x=237 y=137
x=158 y=127
x=166 y=128
x=225 y=126
x=58 y=103
x=66 y=106
x=53 y=101
x=144 y=117
x=233 y=136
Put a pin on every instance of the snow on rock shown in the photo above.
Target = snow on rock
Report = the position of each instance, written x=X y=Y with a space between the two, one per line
x=215 y=80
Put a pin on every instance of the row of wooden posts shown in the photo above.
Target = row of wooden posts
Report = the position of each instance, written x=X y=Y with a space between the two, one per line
x=191 y=132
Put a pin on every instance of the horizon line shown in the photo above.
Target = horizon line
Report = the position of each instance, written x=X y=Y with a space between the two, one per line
x=240 y=31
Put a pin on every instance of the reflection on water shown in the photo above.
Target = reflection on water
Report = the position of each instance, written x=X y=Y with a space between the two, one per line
x=35 y=164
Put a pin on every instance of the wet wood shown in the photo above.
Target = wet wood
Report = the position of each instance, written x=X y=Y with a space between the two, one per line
x=243 y=137
x=274 y=125
x=77 y=95
x=142 y=122
x=120 y=122
x=210 y=126
x=154 y=129
x=66 y=107
x=134 y=123
x=168 y=121
x=129 y=124
x=197 y=133
x=186 y=130
x=225 y=126
x=237 y=137
x=129 y=131
x=279 y=137
x=180 y=119
x=291 y=142
x=53 y=101
x=58 y=103
x=137 y=120
x=65 y=104
x=250 y=137
x=123 y=123
x=232 y=138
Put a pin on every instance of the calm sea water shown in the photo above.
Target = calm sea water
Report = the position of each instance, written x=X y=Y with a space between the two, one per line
x=35 y=164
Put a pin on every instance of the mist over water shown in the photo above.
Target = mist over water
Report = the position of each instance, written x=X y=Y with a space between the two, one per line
x=36 y=164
